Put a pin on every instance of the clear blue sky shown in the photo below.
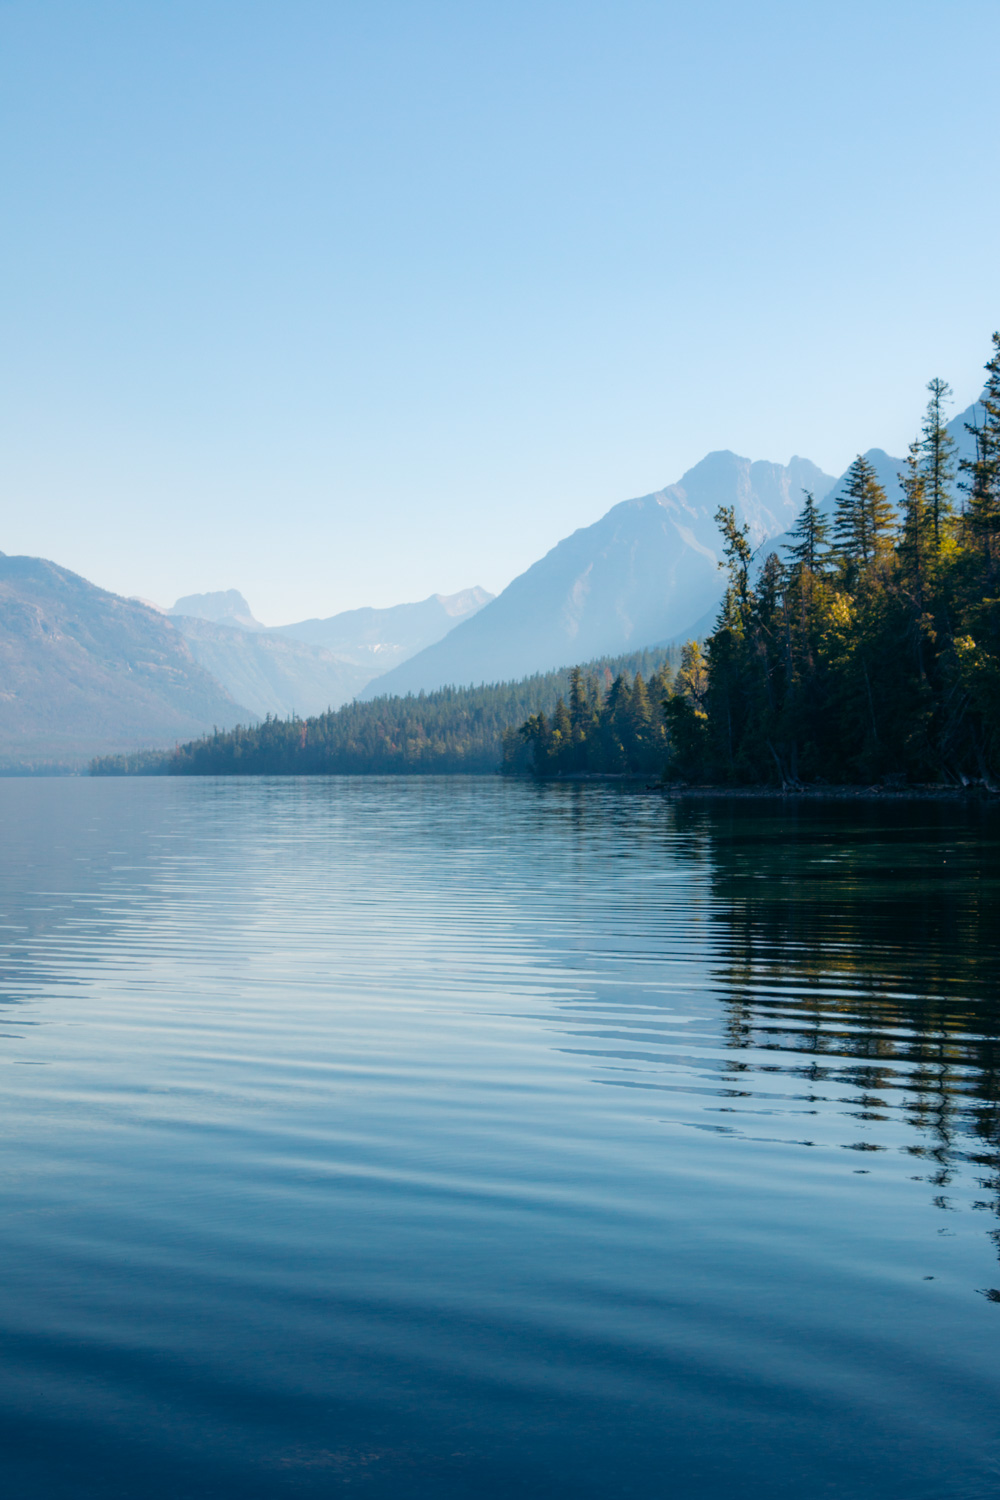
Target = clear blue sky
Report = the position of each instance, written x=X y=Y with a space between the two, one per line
x=346 y=303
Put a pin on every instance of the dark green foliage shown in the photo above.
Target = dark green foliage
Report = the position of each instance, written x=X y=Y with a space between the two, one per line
x=812 y=533
x=613 y=726
x=937 y=450
x=981 y=474
x=451 y=730
x=864 y=519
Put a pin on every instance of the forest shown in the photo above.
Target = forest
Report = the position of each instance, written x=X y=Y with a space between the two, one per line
x=449 y=731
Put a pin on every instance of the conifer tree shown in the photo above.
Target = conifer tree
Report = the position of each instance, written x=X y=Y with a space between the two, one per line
x=919 y=533
x=864 y=519
x=811 y=532
x=691 y=681
x=739 y=555
x=982 y=473
x=561 y=738
x=937 y=448
x=640 y=725
x=686 y=716
x=577 y=701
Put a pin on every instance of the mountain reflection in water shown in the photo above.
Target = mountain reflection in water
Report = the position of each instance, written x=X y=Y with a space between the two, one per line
x=443 y=1138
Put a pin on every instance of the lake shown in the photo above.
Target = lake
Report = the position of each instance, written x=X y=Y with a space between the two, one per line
x=467 y=1138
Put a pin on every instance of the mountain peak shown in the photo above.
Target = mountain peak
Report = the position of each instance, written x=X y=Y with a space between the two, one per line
x=643 y=574
x=224 y=607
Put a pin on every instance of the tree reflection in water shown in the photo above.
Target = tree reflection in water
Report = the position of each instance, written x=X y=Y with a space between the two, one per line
x=859 y=946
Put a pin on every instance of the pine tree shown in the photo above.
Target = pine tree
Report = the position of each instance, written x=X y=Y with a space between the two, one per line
x=686 y=716
x=937 y=448
x=918 y=542
x=811 y=532
x=561 y=741
x=982 y=473
x=577 y=702
x=579 y=718
x=691 y=681
x=864 y=519
x=739 y=555
x=640 y=727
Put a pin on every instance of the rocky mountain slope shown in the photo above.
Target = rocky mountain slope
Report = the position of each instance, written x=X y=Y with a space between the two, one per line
x=643 y=574
x=84 y=672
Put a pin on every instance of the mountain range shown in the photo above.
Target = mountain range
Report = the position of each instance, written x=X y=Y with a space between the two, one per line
x=84 y=672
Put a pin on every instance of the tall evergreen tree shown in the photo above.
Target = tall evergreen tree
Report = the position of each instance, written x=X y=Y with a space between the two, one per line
x=691 y=681
x=937 y=449
x=982 y=473
x=864 y=519
x=811 y=532
x=739 y=555
x=918 y=542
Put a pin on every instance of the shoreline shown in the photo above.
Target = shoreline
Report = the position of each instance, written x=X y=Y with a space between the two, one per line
x=833 y=793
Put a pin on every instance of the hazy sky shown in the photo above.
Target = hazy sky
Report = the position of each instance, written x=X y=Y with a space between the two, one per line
x=347 y=303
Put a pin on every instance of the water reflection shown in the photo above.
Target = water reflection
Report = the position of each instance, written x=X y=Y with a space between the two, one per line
x=467 y=1139
x=868 y=957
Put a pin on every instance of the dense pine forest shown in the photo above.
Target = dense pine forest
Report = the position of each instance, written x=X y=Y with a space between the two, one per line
x=452 y=730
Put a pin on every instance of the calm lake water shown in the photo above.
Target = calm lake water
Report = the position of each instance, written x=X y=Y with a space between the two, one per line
x=455 y=1138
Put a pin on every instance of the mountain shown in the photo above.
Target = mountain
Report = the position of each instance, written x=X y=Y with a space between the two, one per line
x=270 y=673
x=381 y=638
x=642 y=574
x=225 y=607
x=84 y=672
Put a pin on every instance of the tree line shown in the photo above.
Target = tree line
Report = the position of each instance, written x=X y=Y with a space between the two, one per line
x=449 y=731
x=611 y=725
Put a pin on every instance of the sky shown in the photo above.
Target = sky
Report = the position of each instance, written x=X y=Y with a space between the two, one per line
x=347 y=302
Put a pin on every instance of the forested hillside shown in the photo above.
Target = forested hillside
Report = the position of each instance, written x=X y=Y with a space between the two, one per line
x=452 y=730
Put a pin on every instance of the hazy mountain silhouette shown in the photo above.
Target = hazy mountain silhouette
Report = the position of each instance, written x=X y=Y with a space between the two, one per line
x=642 y=574
x=84 y=672
x=381 y=638
x=269 y=673
x=225 y=607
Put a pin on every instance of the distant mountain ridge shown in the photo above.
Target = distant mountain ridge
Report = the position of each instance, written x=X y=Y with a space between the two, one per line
x=320 y=663
x=84 y=672
x=641 y=575
x=381 y=638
